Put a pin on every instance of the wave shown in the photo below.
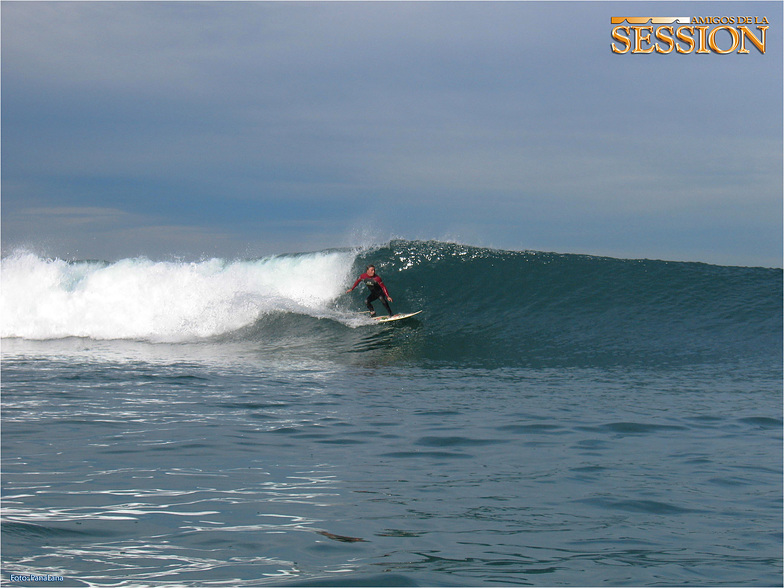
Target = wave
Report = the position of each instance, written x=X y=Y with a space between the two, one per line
x=538 y=308
x=481 y=306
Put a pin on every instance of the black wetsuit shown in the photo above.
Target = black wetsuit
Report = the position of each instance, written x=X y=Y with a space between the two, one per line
x=378 y=291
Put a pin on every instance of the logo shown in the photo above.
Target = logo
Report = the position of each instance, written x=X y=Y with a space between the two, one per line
x=708 y=34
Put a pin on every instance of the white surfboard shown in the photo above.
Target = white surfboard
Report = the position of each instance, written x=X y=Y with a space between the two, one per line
x=395 y=317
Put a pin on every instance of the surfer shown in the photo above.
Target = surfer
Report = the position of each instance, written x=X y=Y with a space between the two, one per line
x=377 y=290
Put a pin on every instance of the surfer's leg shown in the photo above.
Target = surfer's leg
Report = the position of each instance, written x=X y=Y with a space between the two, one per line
x=369 y=304
x=385 y=302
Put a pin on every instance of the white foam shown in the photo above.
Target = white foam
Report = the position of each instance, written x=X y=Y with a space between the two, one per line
x=162 y=301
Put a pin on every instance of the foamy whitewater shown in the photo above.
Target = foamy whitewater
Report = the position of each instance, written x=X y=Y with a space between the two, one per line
x=161 y=301
x=548 y=419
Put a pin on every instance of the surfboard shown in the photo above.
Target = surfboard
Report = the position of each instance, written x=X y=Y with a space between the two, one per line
x=395 y=317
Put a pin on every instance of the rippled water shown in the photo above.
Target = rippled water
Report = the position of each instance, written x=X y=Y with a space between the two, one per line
x=130 y=464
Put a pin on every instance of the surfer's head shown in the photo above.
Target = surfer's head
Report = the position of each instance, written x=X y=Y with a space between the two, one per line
x=371 y=270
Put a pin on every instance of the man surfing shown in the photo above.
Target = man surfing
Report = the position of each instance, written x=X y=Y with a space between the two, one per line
x=377 y=290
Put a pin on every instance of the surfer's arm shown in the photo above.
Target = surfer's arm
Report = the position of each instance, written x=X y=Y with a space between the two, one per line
x=383 y=287
x=359 y=279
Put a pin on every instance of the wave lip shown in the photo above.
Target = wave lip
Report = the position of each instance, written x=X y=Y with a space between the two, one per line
x=141 y=299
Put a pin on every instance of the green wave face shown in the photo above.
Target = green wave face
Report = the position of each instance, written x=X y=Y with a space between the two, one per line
x=505 y=308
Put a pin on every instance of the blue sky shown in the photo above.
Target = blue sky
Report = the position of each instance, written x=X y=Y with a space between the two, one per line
x=249 y=128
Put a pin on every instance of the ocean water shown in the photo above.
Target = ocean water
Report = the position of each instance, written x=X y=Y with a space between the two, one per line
x=548 y=420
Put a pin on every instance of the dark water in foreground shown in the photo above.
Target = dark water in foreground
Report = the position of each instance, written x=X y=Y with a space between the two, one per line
x=550 y=420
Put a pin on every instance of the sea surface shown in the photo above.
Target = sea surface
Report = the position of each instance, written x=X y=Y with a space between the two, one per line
x=547 y=420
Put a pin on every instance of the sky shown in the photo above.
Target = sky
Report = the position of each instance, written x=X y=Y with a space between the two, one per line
x=242 y=129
